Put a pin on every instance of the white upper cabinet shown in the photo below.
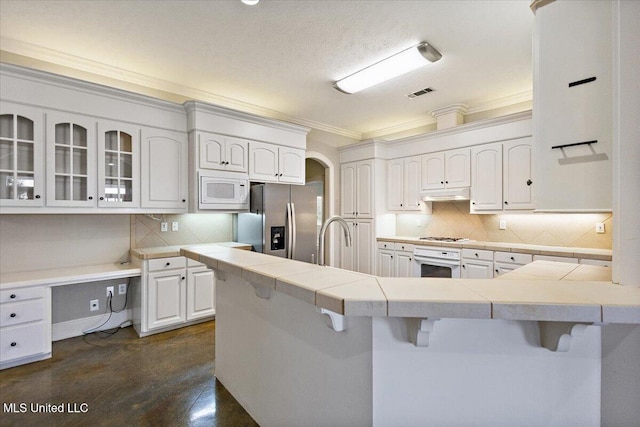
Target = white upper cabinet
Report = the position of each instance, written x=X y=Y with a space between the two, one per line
x=118 y=165
x=517 y=175
x=403 y=184
x=501 y=176
x=572 y=94
x=163 y=169
x=71 y=160
x=21 y=156
x=222 y=152
x=448 y=169
x=356 y=189
x=272 y=163
x=486 y=176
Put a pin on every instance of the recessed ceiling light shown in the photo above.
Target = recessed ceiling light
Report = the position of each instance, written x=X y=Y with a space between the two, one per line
x=250 y=2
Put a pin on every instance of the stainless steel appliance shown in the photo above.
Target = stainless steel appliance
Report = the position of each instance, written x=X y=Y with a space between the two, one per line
x=431 y=261
x=223 y=190
x=282 y=221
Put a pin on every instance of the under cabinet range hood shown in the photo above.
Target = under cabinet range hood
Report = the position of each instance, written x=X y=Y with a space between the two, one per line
x=445 y=194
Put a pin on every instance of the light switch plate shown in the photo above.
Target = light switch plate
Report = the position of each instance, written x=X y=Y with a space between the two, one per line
x=174 y=226
x=600 y=227
x=164 y=227
x=503 y=224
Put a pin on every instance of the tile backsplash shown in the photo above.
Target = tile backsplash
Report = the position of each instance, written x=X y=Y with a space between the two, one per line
x=453 y=219
x=192 y=229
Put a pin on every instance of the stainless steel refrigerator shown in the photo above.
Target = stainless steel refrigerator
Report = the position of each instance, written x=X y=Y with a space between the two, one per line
x=282 y=221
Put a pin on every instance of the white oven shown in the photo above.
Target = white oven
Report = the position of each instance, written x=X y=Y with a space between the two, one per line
x=436 y=262
x=223 y=190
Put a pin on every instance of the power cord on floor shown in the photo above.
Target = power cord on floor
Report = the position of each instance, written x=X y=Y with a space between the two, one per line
x=109 y=332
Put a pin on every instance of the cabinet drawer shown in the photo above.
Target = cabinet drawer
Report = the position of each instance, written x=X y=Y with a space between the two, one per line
x=405 y=247
x=21 y=312
x=477 y=254
x=512 y=258
x=21 y=294
x=386 y=245
x=167 y=263
x=22 y=341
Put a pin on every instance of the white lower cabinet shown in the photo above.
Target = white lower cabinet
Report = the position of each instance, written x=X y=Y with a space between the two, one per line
x=395 y=259
x=504 y=262
x=174 y=292
x=25 y=325
x=477 y=264
x=360 y=255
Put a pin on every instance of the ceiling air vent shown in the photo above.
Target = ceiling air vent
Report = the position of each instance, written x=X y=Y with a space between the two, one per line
x=420 y=92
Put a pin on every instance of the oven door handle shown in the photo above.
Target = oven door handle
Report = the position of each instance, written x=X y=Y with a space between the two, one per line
x=436 y=262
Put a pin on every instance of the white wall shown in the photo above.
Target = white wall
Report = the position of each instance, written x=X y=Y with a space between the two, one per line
x=40 y=242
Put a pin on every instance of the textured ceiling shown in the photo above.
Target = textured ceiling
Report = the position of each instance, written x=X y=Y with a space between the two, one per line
x=283 y=56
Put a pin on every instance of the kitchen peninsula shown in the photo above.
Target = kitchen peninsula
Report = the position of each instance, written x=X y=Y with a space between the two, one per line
x=411 y=351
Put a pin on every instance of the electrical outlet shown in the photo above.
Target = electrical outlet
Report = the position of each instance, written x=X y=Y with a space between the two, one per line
x=110 y=291
x=174 y=226
x=503 y=224
x=164 y=226
x=94 y=305
x=122 y=288
x=600 y=227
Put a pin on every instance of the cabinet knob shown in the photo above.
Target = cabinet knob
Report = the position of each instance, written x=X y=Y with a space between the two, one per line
x=101 y=198
x=497 y=270
x=477 y=255
x=400 y=204
x=37 y=196
x=12 y=315
x=275 y=175
x=183 y=277
x=280 y=175
x=90 y=197
x=391 y=256
x=441 y=182
x=512 y=259
x=464 y=266
x=506 y=203
x=13 y=344
x=529 y=182
x=167 y=264
x=13 y=296
x=473 y=203
x=184 y=200
x=446 y=182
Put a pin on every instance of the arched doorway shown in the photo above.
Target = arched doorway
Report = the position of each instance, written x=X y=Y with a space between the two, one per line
x=320 y=174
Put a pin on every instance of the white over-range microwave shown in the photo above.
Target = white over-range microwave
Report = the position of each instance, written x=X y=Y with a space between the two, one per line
x=223 y=190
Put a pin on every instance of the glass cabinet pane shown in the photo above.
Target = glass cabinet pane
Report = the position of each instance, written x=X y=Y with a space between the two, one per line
x=25 y=156
x=6 y=155
x=79 y=188
x=79 y=136
x=79 y=161
x=25 y=128
x=111 y=192
x=25 y=186
x=126 y=190
x=6 y=126
x=111 y=164
x=63 y=136
x=63 y=160
x=63 y=187
x=125 y=142
x=111 y=140
x=125 y=166
x=6 y=185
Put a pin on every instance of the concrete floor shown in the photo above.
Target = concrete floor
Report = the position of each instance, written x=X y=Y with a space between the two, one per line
x=161 y=380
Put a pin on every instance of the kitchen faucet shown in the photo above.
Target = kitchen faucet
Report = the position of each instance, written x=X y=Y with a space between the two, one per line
x=323 y=232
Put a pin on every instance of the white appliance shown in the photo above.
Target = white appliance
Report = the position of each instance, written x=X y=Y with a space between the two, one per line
x=223 y=190
x=431 y=261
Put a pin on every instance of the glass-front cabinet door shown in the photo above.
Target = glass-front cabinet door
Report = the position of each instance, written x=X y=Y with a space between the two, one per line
x=71 y=161
x=118 y=165
x=21 y=156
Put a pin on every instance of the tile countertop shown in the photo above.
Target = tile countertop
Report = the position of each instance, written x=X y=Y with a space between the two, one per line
x=169 y=251
x=544 y=291
x=571 y=252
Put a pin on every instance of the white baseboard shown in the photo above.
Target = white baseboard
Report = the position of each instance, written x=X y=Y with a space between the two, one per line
x=74 y=328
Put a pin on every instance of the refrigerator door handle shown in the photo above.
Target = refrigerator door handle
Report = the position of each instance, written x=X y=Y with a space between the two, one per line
x=289 y=231
x=294 y=232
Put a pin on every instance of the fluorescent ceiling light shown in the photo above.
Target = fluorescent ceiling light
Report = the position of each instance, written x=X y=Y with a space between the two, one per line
x=394 y=66
x=250 y=2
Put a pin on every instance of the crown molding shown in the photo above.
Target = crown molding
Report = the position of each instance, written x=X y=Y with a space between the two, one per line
x=502 y=102
x=131 y=77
